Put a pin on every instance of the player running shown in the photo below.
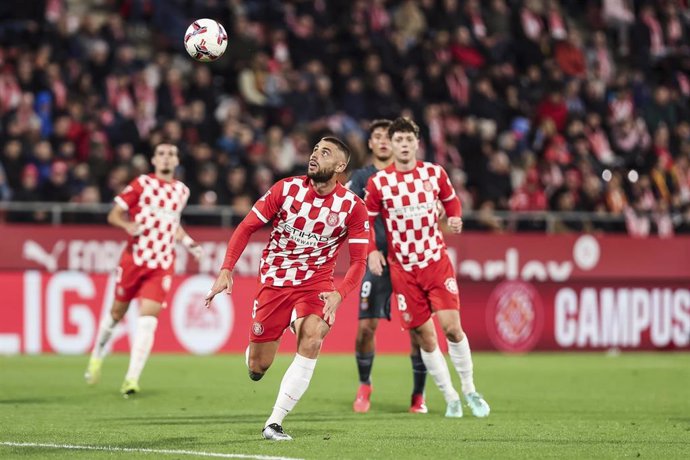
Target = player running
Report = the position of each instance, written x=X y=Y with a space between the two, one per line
x=375 y=292
x=148 y=209
x=424 y=283
x=312 y=217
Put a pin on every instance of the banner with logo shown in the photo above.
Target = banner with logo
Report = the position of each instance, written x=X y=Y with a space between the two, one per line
x=60 y=312
x=477 y=257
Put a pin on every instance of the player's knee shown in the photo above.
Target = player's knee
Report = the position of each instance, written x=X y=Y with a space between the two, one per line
x=310 y=346
x=426 y=342
x=256 y=366
x=256 y=376
x=366 y=333
x=453 y=333
x=118 y=311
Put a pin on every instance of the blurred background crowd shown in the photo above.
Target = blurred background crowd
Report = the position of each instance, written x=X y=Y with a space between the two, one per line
x=530 y=105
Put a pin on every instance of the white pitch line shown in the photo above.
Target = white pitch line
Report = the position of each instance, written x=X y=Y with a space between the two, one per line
x=143 y=451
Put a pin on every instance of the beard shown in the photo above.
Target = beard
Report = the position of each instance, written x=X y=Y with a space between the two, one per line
x=321 y=175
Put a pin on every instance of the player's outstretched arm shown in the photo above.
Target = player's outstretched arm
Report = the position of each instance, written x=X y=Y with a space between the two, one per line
x=117 y=217
x=263 y=211
x=222 y=283
x=188 y=242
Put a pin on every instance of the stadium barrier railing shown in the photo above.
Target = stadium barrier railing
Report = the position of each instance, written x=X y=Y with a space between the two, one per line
x=225 y=216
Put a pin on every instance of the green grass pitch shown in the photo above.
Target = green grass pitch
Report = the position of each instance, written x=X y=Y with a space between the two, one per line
x=543 y=406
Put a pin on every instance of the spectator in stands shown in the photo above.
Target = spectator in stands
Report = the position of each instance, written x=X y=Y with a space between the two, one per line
x=57 y=187
x=487 y=80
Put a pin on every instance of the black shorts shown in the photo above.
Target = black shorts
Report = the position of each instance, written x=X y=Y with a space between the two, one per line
x=375 y=295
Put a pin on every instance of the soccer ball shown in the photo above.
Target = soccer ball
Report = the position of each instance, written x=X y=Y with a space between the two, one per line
x=205 y=40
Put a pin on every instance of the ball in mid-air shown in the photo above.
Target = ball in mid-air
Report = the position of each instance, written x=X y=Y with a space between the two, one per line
x=205 y=40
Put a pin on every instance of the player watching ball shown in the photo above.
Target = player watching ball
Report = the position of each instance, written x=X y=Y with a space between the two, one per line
x=375 y=292
x=424 y=283
x=148 y=209
x=312 y=216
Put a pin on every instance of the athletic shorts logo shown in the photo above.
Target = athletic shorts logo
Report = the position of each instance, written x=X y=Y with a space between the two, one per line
x=332 y=219
x=514 y=316
x=427 y=186
x=451 y=285
x=366 y=225
x=257 y=328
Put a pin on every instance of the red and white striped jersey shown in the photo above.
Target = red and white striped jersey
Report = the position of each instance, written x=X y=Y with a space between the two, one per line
x=407 y=201
x=308 y=230
x=156 y=205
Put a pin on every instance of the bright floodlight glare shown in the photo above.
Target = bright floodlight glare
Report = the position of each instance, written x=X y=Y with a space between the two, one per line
x=633 y=176
x=606 y=175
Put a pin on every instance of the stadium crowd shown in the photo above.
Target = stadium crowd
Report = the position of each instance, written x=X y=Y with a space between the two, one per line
x=530 y=105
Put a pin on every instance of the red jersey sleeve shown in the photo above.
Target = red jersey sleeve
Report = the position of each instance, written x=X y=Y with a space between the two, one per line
x=447 y=195
x=372 y=199
x=129 y=196
x=262 y=212
x=358 y=240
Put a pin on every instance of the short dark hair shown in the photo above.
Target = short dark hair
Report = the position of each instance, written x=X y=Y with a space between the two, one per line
x=403 y=125
x=164 y=142
x=379 y=123
x=342 y=146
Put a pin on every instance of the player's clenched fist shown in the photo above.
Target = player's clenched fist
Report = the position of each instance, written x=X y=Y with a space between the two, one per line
x=331 y=301
x=376 y=262
x=223 y=283
x=455 y=224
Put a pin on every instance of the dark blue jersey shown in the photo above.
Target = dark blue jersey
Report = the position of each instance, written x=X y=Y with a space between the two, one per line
x=358 y=183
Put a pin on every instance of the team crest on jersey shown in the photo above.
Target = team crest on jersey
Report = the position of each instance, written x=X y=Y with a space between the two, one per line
x=406 y=317
x=451 y=285
x=257 y=328
x=332 y=219
x=366 y=225
x=427 y=186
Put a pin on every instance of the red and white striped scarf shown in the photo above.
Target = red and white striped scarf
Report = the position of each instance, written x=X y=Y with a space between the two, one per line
x=531 y=24
x=10 y=93
x=656 y=37
x=459 y=86
x=557 y=26
x=378 y=18
x=603 y=59
x=478 y=27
